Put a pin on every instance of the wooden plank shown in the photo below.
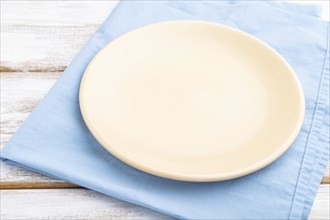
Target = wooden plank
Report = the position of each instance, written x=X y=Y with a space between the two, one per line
x=20 y=94
x=87 y=204
x=69 y=204
x=326 y=176
x=321 y=206
x=56 y=13
x=45 y=35
x=15 y=177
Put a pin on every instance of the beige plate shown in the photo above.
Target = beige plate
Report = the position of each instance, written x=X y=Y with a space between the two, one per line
x=192 y=100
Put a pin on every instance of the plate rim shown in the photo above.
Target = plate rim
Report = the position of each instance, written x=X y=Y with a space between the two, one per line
x=198 y=177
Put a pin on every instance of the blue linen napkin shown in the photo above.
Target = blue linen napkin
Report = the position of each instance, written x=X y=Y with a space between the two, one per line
x=55 y=141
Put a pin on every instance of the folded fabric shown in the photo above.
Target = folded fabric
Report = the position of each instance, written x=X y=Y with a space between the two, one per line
x=55 y=141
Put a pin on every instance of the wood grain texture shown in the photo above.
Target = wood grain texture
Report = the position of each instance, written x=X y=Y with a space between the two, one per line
x=87 y=204
x=15 y=177
x=20 y=94
x=69 y=204
x=38 y=40
x=44 y=36
x=321 y=206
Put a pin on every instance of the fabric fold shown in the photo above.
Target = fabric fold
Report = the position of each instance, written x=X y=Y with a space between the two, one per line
x=55 y=141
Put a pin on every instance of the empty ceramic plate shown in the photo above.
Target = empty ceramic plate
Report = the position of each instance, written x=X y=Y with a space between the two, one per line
x=192 y=100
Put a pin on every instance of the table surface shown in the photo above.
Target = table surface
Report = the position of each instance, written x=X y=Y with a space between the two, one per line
x=38 y=40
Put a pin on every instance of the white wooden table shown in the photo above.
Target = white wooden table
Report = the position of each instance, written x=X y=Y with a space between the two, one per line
x=38 y=40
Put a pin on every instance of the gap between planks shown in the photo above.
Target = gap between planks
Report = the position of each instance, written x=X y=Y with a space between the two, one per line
x=36 y=69
x=38 y=185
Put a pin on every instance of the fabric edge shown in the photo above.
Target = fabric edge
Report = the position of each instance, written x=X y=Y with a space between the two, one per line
x=313 y=162
x=322 y=157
